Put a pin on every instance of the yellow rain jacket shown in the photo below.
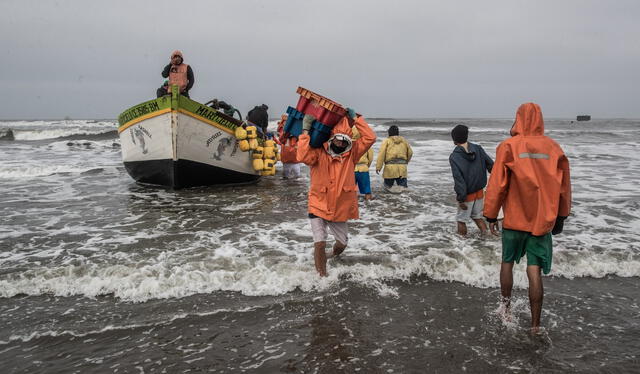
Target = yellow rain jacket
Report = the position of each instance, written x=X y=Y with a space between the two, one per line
x=367 y=158
x=395 y=153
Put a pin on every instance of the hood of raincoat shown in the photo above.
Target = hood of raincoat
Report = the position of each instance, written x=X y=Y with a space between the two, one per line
x=528 y=121
x=397 y=139
x=177 y=53
x=339 y=136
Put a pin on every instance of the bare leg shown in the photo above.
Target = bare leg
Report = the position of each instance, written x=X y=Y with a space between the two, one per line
x=368 y=197
x=536 y=294
x=338 y=248
x=320 y=258
x=506 y=283
x=462 y=228
x=481 y=225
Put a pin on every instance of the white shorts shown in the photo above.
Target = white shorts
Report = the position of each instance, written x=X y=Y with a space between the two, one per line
x=319 y=229
x=474 y=210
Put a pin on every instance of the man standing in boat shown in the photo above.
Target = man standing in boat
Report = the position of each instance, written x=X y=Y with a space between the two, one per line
x=333 y=194
x=179 y=74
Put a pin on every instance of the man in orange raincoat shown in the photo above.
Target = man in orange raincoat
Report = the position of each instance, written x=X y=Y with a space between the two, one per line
x=333 y=194
x=530 y=181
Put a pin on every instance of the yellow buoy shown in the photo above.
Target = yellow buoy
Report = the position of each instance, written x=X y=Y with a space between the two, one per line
x=269 y=152
x=258 y=152
x=258 y=164
x=252 y=132
x=241 y=133
x=268 y=164
x=244 y=145
x=253 y=143
x=269 y=143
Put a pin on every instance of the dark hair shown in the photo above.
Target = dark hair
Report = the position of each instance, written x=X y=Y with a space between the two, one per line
x=393 y=130
x=460 y=134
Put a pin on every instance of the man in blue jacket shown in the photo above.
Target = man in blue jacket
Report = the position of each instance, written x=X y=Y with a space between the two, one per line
x=469 y=165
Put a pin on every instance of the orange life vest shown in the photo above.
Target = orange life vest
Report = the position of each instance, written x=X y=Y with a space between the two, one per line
x=178 y=76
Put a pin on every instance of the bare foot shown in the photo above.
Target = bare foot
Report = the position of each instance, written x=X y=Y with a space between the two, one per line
x=535 y=331
x=505 y=310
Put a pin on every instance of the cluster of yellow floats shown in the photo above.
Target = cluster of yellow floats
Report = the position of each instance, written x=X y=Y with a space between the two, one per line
x=264 y=156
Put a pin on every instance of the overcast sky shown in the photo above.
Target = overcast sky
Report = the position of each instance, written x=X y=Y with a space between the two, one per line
x=94 y=59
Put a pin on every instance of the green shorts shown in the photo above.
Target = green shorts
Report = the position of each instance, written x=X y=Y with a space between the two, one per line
x=538 y=248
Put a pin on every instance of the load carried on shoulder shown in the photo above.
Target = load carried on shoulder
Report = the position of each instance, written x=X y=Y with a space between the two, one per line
x=327 y=114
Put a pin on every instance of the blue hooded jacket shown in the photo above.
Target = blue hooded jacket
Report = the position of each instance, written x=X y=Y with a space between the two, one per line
x=469 y=169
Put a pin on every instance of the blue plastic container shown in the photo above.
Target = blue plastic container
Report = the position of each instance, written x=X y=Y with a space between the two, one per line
x=293 y=125
x=319 y=134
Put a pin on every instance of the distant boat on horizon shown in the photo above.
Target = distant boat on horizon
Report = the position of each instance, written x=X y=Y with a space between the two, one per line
x=583 y=117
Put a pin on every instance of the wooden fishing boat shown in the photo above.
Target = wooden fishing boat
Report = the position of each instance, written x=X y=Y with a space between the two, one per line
x=176 y=142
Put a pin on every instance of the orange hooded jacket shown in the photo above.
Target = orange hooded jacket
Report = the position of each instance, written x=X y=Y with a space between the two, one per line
x=530 y=178
x=333 y=194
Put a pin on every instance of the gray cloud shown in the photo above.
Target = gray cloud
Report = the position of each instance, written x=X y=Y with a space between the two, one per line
x=90 y=59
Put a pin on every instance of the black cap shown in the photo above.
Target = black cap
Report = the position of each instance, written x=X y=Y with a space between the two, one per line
x=393 y=130
x=460 y=134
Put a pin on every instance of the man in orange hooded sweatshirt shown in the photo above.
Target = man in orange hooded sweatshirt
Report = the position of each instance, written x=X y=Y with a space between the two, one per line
x=333 y=194
x=530 y=181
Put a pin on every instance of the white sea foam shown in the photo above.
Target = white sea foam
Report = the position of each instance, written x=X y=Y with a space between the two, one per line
x=12 y=172
x=230 y=266
x=39 y=130
x=79 y=334
x=55 y=133
x=397 y=236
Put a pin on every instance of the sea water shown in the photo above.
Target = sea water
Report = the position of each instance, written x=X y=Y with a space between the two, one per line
x=100 y=274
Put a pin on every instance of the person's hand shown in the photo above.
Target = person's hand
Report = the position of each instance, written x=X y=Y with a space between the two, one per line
x=495 y=228
x=307 y=121
x=558 y=226
x=351 y=113
x=462 y=205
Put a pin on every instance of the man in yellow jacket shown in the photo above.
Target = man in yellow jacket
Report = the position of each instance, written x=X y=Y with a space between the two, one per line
x=395 y=154
x=362 y=169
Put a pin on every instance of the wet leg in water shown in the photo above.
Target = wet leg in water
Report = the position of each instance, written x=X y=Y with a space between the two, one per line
x=536 y=292
x=506 y=285
x=481 y=226
x=338 y=248
x=320 y=258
